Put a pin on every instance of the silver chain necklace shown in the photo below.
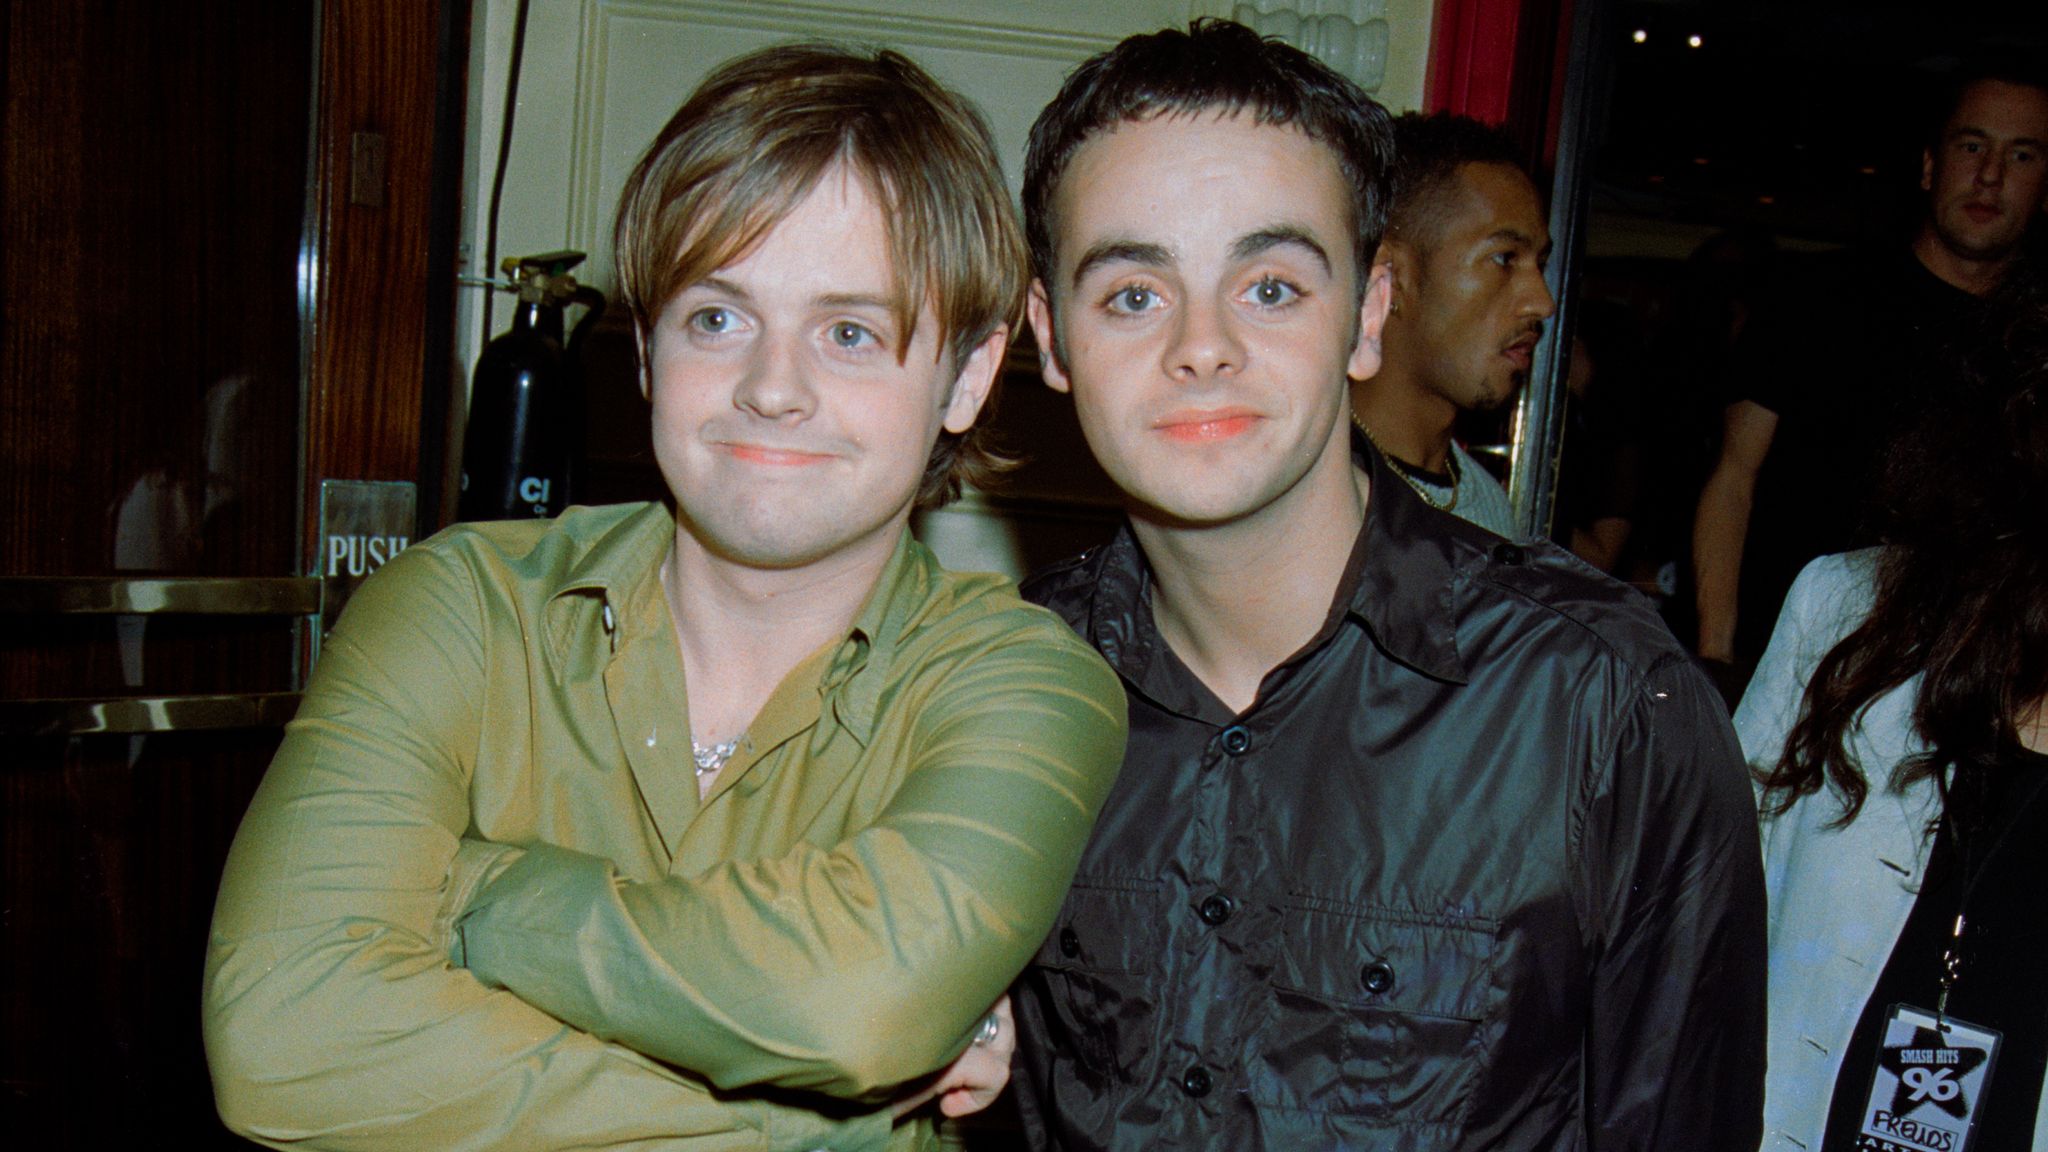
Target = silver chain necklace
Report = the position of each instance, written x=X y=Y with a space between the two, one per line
x=711 y=759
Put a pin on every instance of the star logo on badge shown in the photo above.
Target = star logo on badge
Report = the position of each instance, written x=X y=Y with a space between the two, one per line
x=1922 y=1089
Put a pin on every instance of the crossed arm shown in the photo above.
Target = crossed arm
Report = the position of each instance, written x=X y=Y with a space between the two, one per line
x=725 y=1010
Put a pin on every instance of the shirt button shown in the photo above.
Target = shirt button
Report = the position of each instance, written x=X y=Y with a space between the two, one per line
x=1507 y=554
x=1070 y=943
x=1236 y=739
x=1216 y=909
x=1195 y=1081
x=1377 y=977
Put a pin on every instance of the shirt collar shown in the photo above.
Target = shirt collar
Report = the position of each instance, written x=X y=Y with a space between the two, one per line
x=622 y=570
x=859 y=670
x=619 y=570
x=1413 y=575
x=1405 y=582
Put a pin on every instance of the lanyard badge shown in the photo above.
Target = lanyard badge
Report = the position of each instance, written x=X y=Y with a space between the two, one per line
x=1928 y=1089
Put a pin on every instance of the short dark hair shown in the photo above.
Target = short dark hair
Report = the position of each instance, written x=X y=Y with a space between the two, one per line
x=754 y=139
x=2019 y=69
x=1428 y=152
x=1224 y=66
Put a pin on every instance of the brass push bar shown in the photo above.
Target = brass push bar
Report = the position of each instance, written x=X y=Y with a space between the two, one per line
x=179 y=595
x=195 y=595
x=139 y=714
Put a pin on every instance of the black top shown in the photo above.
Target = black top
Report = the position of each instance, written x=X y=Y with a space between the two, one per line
x=1845 y=354
x=1478 y=869
x=2002 y=817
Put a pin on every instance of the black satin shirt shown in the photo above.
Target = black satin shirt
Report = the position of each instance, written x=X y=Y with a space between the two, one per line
x=1479 y=869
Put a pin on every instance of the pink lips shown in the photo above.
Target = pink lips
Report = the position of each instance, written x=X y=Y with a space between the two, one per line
x=774 y=457
x=1196 y=425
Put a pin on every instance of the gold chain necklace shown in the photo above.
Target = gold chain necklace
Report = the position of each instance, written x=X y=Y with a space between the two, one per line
x=1401 y=469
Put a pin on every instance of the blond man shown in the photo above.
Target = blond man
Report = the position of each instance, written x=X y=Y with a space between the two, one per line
x=714 y=825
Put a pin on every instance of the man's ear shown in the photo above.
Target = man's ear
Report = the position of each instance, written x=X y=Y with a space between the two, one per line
x=1404 y=266
x=1927 y=169
x=977 y=376
x=1372 y=322
x=1038 y=306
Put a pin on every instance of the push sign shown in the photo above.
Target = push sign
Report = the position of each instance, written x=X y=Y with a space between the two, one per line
x=1928 y=1089
x=363 y=524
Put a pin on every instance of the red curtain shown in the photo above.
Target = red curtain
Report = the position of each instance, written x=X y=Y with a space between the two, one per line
x=1503 y=62
x=1472 y=58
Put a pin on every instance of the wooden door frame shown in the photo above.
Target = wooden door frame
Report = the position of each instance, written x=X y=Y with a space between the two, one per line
x=377 y=278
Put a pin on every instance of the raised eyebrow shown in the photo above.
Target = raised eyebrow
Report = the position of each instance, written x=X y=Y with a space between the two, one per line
x=856 y=300
x=722 y=286
x=1119 y=252
x=1280 y=236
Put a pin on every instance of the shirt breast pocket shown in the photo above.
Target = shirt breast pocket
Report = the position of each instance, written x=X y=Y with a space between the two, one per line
x=1376 y=1015
x=1099 y=974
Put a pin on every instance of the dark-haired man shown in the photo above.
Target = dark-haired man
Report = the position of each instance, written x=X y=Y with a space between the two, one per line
x=1467 y=241
x=1424 y=839
x=1848 y=353
x=720 y=827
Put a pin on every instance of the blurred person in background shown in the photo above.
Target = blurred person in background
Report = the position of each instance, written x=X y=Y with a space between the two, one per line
x=1467 y=239
x=1898 y=728
x=1848 y=354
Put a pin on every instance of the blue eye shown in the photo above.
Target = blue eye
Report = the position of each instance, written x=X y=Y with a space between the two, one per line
x=711 y=321
x=1133 y=299
x=847 y=334
x=1273 y=293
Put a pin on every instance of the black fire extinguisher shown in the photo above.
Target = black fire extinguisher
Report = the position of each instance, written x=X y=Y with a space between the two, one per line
x=525 y=407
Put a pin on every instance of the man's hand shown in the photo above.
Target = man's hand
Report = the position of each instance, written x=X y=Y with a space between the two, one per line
x=974 y=1080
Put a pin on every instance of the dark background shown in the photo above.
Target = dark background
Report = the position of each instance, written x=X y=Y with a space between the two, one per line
x=1800 y=117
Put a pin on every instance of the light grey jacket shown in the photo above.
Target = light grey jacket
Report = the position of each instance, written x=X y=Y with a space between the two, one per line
x=1839 y=897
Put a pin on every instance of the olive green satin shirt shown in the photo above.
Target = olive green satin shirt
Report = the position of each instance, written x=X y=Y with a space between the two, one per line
x=477 y=903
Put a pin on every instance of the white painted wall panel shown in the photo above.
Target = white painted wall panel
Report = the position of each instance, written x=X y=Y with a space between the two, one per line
x=599 y=78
